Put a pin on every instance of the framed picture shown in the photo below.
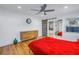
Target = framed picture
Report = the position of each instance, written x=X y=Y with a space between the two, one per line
x=72 y=29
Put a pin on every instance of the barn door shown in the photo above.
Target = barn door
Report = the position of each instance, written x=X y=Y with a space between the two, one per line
x=44 y=27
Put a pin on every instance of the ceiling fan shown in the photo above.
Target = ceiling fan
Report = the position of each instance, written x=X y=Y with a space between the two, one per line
x=43 y=9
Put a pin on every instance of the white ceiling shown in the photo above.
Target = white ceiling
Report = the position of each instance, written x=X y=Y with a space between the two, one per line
x=26 y=8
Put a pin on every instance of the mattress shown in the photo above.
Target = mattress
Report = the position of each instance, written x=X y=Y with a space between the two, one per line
x=54 y=46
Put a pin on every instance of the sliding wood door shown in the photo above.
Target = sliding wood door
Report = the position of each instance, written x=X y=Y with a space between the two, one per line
x=44 y=27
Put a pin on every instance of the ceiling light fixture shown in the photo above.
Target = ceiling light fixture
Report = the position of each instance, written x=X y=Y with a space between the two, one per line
x=65 y=7
x=19 y=7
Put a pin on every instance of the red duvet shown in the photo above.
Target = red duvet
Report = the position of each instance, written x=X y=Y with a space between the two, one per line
x=53 y=46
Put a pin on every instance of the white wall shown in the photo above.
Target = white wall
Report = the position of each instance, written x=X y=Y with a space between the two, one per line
x=11 y=24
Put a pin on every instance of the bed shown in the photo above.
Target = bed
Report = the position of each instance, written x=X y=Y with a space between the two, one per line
x=54 y=46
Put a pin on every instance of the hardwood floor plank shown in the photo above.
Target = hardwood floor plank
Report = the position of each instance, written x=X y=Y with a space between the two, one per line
x=18 y=49
x=0 y=50
x=11 y=50
x=5 y=50
x=14 y=50
x=25 y=48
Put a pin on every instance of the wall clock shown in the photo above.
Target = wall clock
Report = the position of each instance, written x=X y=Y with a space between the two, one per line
x=28 y=21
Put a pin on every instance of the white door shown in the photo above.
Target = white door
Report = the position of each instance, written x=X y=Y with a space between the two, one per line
x=51 y=28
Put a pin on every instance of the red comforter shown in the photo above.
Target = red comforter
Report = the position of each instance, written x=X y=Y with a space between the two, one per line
x=53 y=46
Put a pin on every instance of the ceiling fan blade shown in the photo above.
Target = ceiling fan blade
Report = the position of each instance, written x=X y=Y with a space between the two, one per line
x=35 y=10
x=38 y=13
x=52 y=18
x=50 y=10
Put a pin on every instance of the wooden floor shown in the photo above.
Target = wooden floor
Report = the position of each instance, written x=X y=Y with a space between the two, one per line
x=19 y=49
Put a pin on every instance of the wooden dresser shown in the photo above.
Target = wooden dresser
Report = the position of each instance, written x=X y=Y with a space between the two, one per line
x=27 y=35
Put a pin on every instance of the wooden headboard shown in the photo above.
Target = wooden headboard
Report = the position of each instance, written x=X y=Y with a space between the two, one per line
x=26 y=35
